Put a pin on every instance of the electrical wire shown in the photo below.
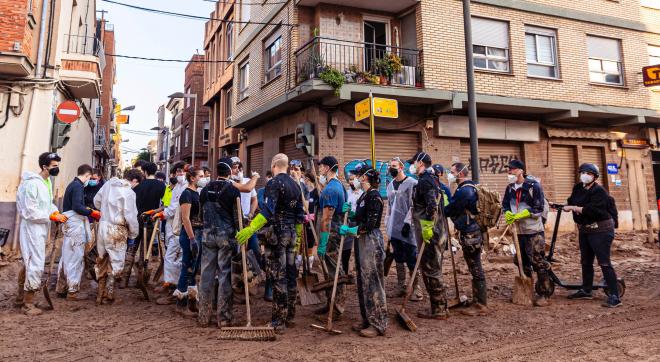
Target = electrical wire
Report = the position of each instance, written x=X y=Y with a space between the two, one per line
x=194 y=17
x=168 y=60
x=246 y=3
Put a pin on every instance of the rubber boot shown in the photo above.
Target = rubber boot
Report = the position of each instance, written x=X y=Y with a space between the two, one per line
x=76 y=296
x=479 y=306
x=110 y=285
x=418 y=294
x=369 y=332
x=192 y=299
x=542 y=300
x=400 y=289
x=20 y=293
x=438 y=311
x=100 y=292
x=29 y=308
x=128 y=267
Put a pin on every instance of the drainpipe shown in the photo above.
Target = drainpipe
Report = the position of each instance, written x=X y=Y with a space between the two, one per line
x=42 y=31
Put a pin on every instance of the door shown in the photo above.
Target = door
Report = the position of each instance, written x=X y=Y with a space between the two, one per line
x=256 y=162
x=375 y=39
x=637 y=188
x=494 y=158
x=564 y=172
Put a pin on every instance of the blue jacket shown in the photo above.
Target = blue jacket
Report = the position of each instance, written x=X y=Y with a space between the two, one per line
x=74 y=198
x=465 y=198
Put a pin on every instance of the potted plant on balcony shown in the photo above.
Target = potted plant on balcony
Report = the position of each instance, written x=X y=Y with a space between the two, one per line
x=334 y=78
x=383 y=69
x=316 y=65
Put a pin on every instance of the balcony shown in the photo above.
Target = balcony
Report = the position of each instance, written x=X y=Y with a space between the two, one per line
x=83 y=59
x=387 y=6
x=361 y=63
x=101 y=146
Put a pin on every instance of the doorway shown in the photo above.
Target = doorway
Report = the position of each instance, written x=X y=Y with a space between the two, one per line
x=375 y=39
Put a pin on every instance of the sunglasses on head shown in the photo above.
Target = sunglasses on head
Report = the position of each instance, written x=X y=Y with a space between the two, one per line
x=295 y=163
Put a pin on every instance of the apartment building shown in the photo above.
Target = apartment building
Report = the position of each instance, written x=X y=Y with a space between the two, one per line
x=106 y=156
x=219 y=41
x=50 y=52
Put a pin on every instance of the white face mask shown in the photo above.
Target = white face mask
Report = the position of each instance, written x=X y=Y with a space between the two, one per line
x=451 y=178
x=181 y=179
x=511 y=178
x=322 y=179
x=357 y=184
x=413 y=169
x=586 y=178
x=202 y=182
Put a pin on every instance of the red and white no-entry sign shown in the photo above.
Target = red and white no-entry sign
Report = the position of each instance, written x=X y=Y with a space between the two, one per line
x=68 y=112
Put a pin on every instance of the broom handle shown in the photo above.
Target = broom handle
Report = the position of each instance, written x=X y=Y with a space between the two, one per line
x=151 y=240
x=518 y=250
x=334 y=284
x=409 y=288
x=453 y=268
x=245 y=278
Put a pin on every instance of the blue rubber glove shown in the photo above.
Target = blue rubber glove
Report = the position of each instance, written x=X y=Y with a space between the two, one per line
x=323 y=243
x=346 y=230
x=348 y=208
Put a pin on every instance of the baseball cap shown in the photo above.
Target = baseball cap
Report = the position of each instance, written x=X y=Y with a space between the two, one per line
x=516 y=164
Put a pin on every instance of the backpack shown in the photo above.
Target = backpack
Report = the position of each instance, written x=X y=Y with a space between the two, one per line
x=611 y=209
x=489 y=207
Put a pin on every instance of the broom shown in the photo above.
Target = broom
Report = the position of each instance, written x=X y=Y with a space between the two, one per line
x=404 y=319
x=247 y=333
x=522 y=287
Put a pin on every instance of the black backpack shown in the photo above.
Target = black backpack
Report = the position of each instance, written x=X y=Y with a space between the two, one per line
x=611 y=209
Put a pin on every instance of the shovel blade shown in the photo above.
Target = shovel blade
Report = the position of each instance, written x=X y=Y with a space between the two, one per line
x=522 y=291
x=305 y=294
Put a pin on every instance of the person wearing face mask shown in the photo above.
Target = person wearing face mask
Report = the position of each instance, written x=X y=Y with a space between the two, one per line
x=77 y=233
x=429 y=225
x=190 y=240
x=353 y=195
x=331 y=201
x=592 y=206
x=118 y=222
x=148 y=194
x=399 y=220
x=523 y=204
x=172 y=264
x=260 y=191
x=313 y=206
x=439 y=172
x=34 y=205
x=93 y=186
x=463 y=202
x=369 y=254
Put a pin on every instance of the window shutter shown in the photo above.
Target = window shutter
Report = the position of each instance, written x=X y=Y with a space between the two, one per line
x=491 y=33
x=604 y=48
x=530 y=47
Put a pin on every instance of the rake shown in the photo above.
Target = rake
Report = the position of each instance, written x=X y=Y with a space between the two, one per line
x=247 y=333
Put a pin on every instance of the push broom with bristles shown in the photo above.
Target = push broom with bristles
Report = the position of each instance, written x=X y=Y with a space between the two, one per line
x=247 y=333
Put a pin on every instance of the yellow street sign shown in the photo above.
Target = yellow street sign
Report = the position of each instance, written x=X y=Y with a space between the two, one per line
x=384 y=107
x=121 y=119
x=362 y=109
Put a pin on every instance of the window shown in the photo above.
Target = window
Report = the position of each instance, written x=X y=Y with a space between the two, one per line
x=273 y=58
x=243 y=80
x=653 y=4
x=205 y=134
x=654 y=55
x=490 y=44
x=605 y=60
x=229 y=41
x=541 y=52
x=245 y=13
x=228 y=106
x=186 y=99
x=185 y=136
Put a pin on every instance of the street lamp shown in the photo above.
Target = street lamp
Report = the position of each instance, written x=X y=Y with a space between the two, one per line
x=193 y=96
x=129 y=108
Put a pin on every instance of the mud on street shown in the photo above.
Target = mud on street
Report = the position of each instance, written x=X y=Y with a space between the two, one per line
x=566 y=330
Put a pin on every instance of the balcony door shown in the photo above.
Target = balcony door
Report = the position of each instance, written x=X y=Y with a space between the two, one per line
x=376 y=39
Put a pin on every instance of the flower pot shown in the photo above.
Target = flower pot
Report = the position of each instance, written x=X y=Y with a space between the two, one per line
x=383 y=80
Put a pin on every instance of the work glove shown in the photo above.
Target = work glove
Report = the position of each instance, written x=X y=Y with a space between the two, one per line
x=405 y=230
x=519 y=216
x=96 y=215
x=57 y=217
x=323 y=243
x=255 y=225
x=508 y=216
x=158 y=215
x=309 y=218
x=427 y=230
x=348 y=208
x=299 y=231
x=150 y=212
x=347 y=230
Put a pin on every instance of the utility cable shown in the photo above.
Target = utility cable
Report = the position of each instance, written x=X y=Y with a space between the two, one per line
x=246 y=3
x=167 y=60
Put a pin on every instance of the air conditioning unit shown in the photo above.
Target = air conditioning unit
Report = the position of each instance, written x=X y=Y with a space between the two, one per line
x=99 y=111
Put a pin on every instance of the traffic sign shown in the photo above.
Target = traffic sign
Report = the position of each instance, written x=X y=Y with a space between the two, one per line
x=651 y=75
x=386 y=108
x=362 y=109
x=121 y=119
x=67 y=112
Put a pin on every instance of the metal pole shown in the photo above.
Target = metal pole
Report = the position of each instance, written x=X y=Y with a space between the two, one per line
x=372 y=132
x=472 y=102
x=194 y=129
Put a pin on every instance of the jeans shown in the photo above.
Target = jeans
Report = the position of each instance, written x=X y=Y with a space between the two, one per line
x=597 y=245
x=190 y=254
x=218 y=248
x=404 y=253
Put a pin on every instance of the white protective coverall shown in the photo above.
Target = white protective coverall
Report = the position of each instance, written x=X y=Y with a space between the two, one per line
x=77 y=233
x=119 y=221
x=399 y=210
x=172 y=264
x=34 y=204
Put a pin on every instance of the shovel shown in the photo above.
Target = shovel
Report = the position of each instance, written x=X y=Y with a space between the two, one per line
x=161 y=250
x=405 y=320
x=44 y=287
x=522 y=287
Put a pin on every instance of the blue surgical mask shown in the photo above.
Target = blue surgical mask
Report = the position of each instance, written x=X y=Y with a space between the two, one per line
x=92 y=183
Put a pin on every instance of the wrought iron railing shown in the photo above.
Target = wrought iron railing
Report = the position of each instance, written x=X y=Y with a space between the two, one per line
x=360 y=62
x=80 y=44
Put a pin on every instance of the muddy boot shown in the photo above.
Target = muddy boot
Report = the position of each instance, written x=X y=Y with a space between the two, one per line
x=166 y=300
x=76 y=296
x=110 y=285
x=541 y=301
x=100 y=291
x=192 y=299
x=369 y=332
x=29 y=308
x=20 y=293
x=418 y=294
x=479 y=300
x=400 y=289
x=438 y=311
x=163 y=288
x=359 y=326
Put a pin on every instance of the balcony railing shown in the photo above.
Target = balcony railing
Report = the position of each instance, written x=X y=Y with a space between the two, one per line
x=84 y=45
x=360 y=62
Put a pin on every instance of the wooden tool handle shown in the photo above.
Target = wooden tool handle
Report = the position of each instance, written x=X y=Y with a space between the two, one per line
x=334 y=284
x=518 y=250
x=151 y=240
x=244 y=261
x=409 y=288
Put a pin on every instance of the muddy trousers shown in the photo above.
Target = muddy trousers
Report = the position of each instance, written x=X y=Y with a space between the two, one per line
x=597 y=245
x=431 y=267
x=331 y=262
x=218 y=248
x=369 y=258
x=533 y=259
x=71 y=266
x=281 y=269
x=189 y=253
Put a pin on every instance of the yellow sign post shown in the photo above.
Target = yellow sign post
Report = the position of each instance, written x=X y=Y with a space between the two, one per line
x=375 y=107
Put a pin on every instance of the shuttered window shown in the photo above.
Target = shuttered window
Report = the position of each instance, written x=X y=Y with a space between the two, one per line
x=256 y=162
x=564 y=172
x=490 y=44
x=605 y=60
x=596 y=156
x=494 y=158
x=388 y=145
x=288 y=147
x=541 y=52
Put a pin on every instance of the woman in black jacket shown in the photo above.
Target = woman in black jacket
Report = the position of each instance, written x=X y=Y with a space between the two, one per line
x=590 y=204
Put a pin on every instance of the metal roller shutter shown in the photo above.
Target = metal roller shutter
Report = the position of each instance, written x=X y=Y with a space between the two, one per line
x=388 y=144
x=595 y=155
x=493 y=158
x=288 y=147
x=564 y=172
x=256 y=162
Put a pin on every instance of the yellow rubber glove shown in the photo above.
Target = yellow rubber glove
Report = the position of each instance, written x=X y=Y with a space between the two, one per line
x=257 y=223
x=509 y=217
x=299 y=231
x=522 y=215
x=427 y=230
